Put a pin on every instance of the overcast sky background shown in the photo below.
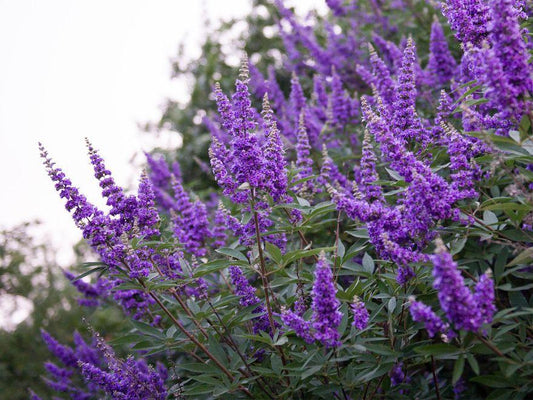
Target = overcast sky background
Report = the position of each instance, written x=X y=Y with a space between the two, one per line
x=75 y=69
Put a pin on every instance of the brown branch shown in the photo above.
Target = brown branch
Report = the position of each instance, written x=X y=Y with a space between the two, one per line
x=435 y=380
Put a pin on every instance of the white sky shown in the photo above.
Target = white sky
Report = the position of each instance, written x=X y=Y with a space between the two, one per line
x=71 y=69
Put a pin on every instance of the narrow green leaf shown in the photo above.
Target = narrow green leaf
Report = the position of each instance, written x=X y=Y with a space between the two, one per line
x=147 y=329
x=524 y=257
x=309 y=371
x=439 y=349
x=494 y=381
x=458 y=369
x=299 y=254
x=274 y=252
x=227 y=251
x=391 y=306
x=490 y=218
x=368 y=263
x=89 y=272
x=277 y=365
x=473 y=363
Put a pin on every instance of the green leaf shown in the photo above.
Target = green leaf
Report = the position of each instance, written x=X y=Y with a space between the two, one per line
x=281 y=341
x=469 y=91
x=355 y=249
x=524 y=257
x=368 y=263
x=508 y=207
x=490 y=218
x=341 y=250
x=359 y=233
x=391 y=306
x=458 y=369
x=457 y=245
x=92 y=264
x=275 y=362
x=494 y=381
x=89 y=272
x=303 y=202
x=228 y=251
x=216 y=265
x=380 y=349
x=147 y=329
x=499 y=265
x=311 y=371
x=128 y=286
x=510 y=288
x=439 y=349
x=322 y=208
x=299 y=254
x=394 y=175
x=126 y=339
x=470 y=103
x=200 y=368
x=146 y=345
x=515 y=135
x=274 y=252
x=194 y=390
x=473 y=363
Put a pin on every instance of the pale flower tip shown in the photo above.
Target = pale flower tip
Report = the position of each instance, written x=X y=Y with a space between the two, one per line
x=244 y=69
x=301 y=119
x=325 y=151
x=440 y=247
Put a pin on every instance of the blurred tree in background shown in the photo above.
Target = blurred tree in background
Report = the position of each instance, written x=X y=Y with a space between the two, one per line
x=31 y=279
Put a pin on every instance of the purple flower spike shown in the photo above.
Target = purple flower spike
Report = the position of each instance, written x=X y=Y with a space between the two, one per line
x=455 y=298
x=484 y=297
x=368 y=171
x=360 y=313
x=469 y=19
x=246 y=292
x=382 y=78
x=146 y=213
x=325 y=306
x=397 y=376
x=441 y=65
x=191 y=225
x=64 y=353
x=301 y=327
x=297 y=98
x=76 y=203
x=406 y=121
x=508 y=45
x=304 y=163
x=275 y=164
x=422 y=313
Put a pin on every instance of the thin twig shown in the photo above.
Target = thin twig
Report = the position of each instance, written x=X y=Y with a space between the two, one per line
x=262 y=266
x=490 y=346
x=435 y=380
x=377 y=387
